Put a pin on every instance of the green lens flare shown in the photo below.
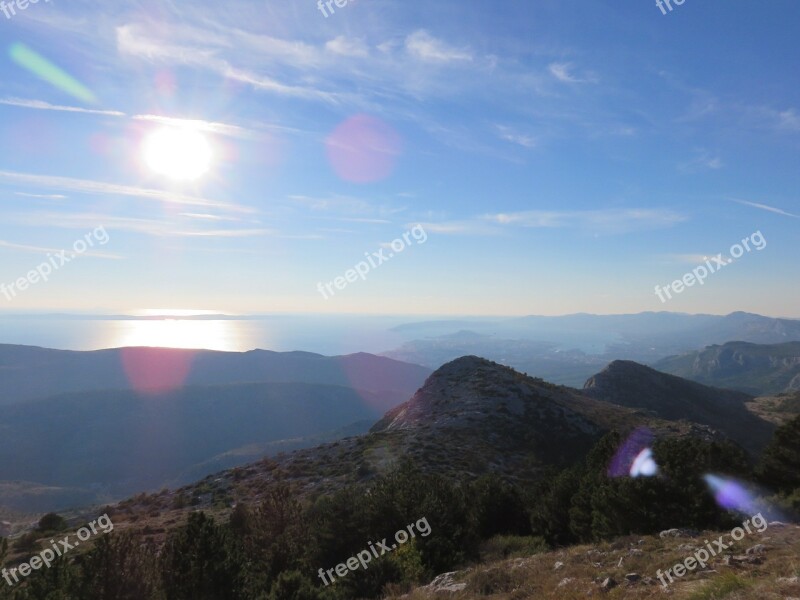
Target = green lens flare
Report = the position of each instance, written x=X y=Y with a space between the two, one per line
x=43 y=68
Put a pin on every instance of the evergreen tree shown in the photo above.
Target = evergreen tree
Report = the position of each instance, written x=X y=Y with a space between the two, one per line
x=196 y=565
x=780 y=464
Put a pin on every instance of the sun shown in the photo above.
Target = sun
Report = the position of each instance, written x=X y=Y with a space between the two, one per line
x=179 y=153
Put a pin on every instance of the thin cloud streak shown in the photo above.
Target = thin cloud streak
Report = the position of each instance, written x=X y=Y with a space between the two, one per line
x=198 y=125
x=100 y=187
x=767 y=208
x=156 y=228
x=41 y=105
x=42 y=196
x=614 y=221
x=39 y=250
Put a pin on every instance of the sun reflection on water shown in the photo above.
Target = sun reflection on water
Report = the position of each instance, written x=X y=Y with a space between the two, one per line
x=223 y=335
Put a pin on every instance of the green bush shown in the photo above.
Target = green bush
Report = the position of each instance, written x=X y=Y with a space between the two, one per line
x=52 y=522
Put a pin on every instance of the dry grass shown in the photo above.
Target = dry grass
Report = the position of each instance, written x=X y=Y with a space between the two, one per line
x=585 y=567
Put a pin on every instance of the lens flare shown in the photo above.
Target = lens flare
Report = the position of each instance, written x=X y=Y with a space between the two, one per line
x=635 y=457
x=363 y=149
x=731 y=494
x=155 y=370
x=44 y=69
x=644 y=465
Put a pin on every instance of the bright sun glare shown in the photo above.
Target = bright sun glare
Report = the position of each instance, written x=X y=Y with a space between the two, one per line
x=178 y=153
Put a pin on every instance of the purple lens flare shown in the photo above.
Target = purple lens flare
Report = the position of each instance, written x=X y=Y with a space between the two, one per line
x=635 y=456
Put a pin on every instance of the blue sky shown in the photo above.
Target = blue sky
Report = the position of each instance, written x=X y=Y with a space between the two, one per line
x=562 y=156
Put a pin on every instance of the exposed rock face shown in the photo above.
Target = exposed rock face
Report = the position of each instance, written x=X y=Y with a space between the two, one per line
x=504 y=409
x=754 y=368
x=468 y=388
x=444 y=583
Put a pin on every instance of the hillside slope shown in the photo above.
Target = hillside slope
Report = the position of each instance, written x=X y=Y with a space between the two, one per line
x=636 y=386
x=29 y=372
x=115 y=443
x=753 y=368
x=472 y=417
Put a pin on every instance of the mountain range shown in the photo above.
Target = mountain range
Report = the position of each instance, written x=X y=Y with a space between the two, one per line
x=470 y=417
x=751 y=368
x=569 y=349
x=473 y=417
x=28 y=372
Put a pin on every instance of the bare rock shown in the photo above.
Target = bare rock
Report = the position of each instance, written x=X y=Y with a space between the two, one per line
x=608 y=584
x=742 y=559
x=777 y=524
x=445 y=583
x=757 y=549
x=676 y=533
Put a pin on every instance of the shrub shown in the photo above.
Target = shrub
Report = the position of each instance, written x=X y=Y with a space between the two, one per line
x=27 y=543
x=52 y=522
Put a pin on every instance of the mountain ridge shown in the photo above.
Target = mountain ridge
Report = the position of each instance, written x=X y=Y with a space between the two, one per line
x=745 y=366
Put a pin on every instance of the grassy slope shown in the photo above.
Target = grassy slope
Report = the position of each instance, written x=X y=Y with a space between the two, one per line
x=585 y=567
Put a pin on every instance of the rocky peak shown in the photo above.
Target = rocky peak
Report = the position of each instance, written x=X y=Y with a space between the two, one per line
x=467 y=388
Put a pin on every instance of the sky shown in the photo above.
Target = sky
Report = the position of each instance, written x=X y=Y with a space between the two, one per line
x=540 y=157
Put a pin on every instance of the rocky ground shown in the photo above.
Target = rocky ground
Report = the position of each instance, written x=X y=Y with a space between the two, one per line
x=762 y=566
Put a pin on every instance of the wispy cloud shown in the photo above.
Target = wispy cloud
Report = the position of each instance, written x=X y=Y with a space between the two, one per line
x=40 y=250
x=612 y=220
x=427 y=48
x=701 y=162
x=462 y=227
x=183 y=45
x=766 y=207
x=207 y=217
x=345 y=46
x=563 y=72
x=168 y=227
x=515 y=137
x=101 y=187
x=789 y=120
x=225 y=233
x=42 y=196
x=198 y=125
x=609 y=222
x=356 y=220
x=41 y=105
x=347 y=208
